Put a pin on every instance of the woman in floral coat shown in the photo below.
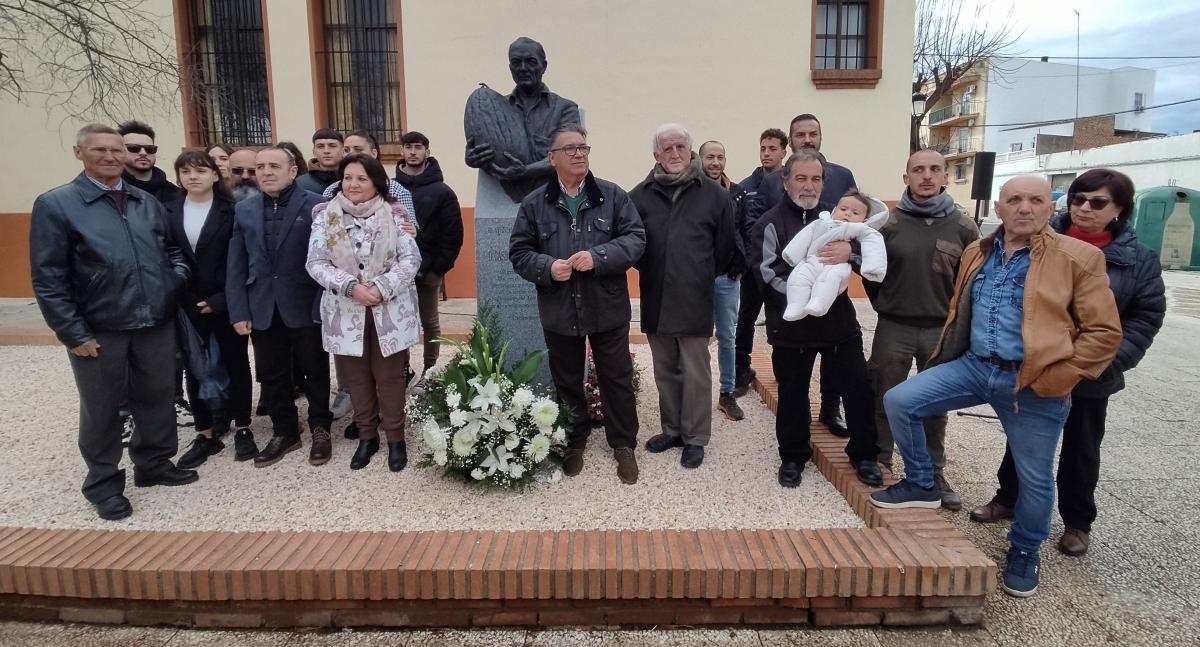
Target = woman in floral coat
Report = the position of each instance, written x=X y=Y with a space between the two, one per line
x=363 y=255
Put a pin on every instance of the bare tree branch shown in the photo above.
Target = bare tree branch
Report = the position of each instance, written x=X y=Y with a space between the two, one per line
x=948 y=41
x=88 y=59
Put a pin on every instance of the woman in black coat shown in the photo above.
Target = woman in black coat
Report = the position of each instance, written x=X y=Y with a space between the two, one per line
x=202 y=223
x=1100 y=204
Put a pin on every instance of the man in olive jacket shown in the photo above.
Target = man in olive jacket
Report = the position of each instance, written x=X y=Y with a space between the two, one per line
x=689 y=242
x=106 y=273
x=575 y=238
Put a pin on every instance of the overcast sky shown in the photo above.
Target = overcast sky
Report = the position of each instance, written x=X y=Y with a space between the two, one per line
x=1119 y=28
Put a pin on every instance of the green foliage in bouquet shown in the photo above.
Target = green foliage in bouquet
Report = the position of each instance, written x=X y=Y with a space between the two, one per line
x=485 y=424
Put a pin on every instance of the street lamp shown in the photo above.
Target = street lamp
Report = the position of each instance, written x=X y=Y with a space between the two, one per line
x=918 y=104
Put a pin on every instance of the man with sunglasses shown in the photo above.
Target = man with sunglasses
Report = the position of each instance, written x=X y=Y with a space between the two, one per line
x=241 y=174
x=140 y=155
x=575 y=238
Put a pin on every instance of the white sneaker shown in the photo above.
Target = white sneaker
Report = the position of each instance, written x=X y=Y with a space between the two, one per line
x=341 y=406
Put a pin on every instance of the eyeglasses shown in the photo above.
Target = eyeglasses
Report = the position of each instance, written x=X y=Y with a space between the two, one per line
x=237 y=170
x=1096 y=202
x=573 y=151
x=137 y=148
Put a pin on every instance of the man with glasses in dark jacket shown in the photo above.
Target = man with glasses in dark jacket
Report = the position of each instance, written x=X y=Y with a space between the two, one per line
x=575 y=239
x=106 y=275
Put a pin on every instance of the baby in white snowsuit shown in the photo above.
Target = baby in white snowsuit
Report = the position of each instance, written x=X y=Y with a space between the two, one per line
x=813 y=285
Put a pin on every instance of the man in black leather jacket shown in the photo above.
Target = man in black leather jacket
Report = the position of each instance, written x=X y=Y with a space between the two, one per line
x=106 y=274
x=575 y=239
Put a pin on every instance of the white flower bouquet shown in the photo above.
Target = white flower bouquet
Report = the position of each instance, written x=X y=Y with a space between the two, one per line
x=485 y=424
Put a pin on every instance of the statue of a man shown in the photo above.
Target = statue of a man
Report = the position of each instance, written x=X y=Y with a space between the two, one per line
x=508 y=137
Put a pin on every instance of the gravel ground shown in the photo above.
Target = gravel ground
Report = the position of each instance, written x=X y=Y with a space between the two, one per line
x=41 y=471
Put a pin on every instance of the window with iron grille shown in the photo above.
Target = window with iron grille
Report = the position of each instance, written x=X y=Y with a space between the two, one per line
x=842 y=29
x=226 y=73
x=362 y=80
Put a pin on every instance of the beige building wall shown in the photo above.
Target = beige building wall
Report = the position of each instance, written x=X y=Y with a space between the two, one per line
x=289 y=63
x=42 y=138
x=725 y=70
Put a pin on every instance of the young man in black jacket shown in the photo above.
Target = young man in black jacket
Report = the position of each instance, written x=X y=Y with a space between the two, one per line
x=575 y=239
x=440 y=233
x=795 y=344
x=106 y=275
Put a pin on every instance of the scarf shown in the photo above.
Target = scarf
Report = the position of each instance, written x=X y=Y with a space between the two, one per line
x=379 y=236
x=690 y=172
x=1099 y=239
x=939 y=206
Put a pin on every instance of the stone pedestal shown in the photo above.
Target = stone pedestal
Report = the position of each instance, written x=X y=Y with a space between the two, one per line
x=513 y=298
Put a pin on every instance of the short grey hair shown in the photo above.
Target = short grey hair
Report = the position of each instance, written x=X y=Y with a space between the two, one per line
x=670 y=128
x=93 y=129
x=803 y=155
x=568 y=128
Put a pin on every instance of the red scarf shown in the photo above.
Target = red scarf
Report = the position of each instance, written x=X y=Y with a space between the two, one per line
x=1099 y=239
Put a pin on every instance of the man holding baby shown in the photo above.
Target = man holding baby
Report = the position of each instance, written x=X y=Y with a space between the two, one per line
x=795 y=344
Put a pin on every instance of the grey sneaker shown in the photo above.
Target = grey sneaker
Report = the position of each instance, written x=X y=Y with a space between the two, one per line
x=950 y=499
x=728 y=405
x=341 y=406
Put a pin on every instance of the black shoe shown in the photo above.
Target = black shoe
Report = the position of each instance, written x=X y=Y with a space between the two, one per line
x=868 y=472
x=276 y=449
x=170 y=475
x=199 y=451
x=362 y=456
x=693 y=456
x=836 y=423
x=351 y=431
x=663 y=442
x=789 y=474
x=573 y=461
x=114 y=507
x=397 y=456
x=741 y=384
x=243 y=445
x=729 y=406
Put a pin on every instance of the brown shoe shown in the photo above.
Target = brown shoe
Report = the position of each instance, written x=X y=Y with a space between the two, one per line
x=627 y=469
x=1074 y=542
x=322 y=447
x=573 y=463
x=991 y=512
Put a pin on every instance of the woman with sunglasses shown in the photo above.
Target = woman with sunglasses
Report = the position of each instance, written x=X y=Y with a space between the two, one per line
x=202 y=223
x=360 y=253
x=1100 y=203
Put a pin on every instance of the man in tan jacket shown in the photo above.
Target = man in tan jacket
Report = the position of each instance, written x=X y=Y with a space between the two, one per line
x=1031 y=316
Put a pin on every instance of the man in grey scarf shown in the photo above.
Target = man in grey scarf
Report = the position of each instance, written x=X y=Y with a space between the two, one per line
x=924 y=236
x=689 y=242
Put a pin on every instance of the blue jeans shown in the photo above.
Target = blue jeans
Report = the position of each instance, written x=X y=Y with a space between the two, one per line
x=725 y=314
x=1031 y=422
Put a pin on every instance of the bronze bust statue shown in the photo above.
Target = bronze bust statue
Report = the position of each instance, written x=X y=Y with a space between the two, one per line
x=508 y=136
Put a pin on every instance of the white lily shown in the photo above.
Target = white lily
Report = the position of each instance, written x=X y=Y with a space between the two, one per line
x=497 y=459
x=487 y=395
x=511 y=441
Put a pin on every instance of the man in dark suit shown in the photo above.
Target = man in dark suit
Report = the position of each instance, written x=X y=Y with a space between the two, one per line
x=271 y=297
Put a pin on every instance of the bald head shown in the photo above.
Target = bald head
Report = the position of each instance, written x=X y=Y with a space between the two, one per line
x=1024 y=207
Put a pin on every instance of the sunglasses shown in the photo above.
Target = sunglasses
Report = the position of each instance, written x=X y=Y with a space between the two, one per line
x=137 y=148
x=237 y=170
x=1095 y=202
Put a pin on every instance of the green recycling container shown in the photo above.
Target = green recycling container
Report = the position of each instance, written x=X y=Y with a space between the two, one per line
x=1167 y=220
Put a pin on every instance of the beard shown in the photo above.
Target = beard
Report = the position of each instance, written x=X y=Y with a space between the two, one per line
x=806 y=203
x=245 y=189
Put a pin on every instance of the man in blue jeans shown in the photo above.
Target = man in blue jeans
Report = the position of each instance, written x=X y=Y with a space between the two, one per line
x=726 y=287
x=1030 y=317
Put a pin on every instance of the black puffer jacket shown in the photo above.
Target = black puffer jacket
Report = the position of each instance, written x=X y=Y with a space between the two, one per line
x=439 y=218
x=608 y=225
x=1135 y=277
x=158 y=185
x=95 y=268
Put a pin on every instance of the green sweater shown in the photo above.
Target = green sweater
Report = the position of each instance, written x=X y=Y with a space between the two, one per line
x=922 y=262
